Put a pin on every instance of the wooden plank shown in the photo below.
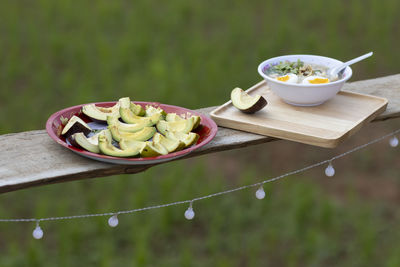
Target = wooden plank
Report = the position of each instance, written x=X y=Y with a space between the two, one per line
x=32 y=158
x=325 y=125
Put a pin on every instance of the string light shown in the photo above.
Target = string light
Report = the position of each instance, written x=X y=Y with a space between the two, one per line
x=330 y=171
x=394 y=141
x=38 y=232
x=189 y=213
x=113 y=221
x=260 y=193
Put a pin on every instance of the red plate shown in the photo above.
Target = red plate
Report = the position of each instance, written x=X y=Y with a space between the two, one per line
x=207 y=130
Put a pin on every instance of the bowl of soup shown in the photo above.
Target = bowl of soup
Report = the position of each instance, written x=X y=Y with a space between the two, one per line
x=303 y=80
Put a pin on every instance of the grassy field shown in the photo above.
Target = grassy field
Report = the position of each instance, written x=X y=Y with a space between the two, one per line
x=56 y=54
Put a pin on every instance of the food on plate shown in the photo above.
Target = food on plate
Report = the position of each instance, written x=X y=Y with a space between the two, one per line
x=297 y=72
x=100 y=113
x=88 y=143
x=126 y=127
x=246 y=103
x=130 y=130
x=171 y=145
x=75 y=125
x=145 y=134
x=107 y=148
x=188 y=139
x=183 y=126
x=129 y=116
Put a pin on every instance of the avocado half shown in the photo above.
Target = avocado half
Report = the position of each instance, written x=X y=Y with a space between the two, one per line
x=100 y=113
x=75 y=125
x=246 y=103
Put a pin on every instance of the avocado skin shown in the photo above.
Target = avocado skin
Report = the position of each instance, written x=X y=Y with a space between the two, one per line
x=260 y=104
x=76 y=127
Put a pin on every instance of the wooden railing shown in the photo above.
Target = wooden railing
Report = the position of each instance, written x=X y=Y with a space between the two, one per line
x=32 y=158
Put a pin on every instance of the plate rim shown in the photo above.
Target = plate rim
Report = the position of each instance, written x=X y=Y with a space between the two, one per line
x=131 y=161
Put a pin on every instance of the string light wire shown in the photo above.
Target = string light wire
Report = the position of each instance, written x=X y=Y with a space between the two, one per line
x=37 y=220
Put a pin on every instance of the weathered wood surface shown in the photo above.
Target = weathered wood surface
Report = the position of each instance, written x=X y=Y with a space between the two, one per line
x=32 y=158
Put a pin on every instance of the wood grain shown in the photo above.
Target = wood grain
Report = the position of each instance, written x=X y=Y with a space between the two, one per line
x=32 y=158
x=325 y=125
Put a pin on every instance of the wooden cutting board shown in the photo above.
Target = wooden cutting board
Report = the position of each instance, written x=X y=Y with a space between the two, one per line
x=326 y=125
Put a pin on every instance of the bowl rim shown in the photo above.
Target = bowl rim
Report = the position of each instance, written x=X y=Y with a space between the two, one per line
x=266 y=77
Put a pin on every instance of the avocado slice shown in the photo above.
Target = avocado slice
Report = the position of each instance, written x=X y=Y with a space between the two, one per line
x=90 y=144
x=183 y=126
x=176 y=117
x=145 y=134
x=147 y=149
x=126 y=127
x=170 y=144
x=153 y=150
x=75 y=125
x=246 y=103
x=197 y=121
x=173 y=117
x=150 y=111
x=100 y=113
x=126 y=102
x=107 y=148
x=189 y=139
x=130 y=143
x=129 y=117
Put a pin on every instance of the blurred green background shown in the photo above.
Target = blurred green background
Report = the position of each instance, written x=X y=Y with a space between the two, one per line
x=55 y=54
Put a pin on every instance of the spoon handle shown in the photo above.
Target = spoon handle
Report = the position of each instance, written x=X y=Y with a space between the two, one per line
x=356 y=60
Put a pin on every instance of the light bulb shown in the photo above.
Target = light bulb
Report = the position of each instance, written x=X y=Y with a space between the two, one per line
x=329 y=171
x=393 y=142
x=38 y=232
x=113 y=221
x=260 y=193
x=189 y=213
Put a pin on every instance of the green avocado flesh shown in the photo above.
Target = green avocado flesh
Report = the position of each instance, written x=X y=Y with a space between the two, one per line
x=145 y=134
x=182 y=126
x=188 y=139
x=126 y=102
x=90 y=144
x=150 y=111
x=131 y=126
x=170 y=144
x=246 y=103
x=176 y=117
x=100 y=113
x=125 y=127
x=129 y=117
x=107 y=148
x=147 y=149
x=153 y=150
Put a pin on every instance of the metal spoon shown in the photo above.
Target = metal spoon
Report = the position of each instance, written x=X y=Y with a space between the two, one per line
x=335 y=72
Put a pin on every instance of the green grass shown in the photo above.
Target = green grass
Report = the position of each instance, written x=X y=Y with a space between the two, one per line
x=56 y=54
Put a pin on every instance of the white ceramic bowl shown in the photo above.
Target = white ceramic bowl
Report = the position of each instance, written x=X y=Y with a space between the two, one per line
x=304 y=94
